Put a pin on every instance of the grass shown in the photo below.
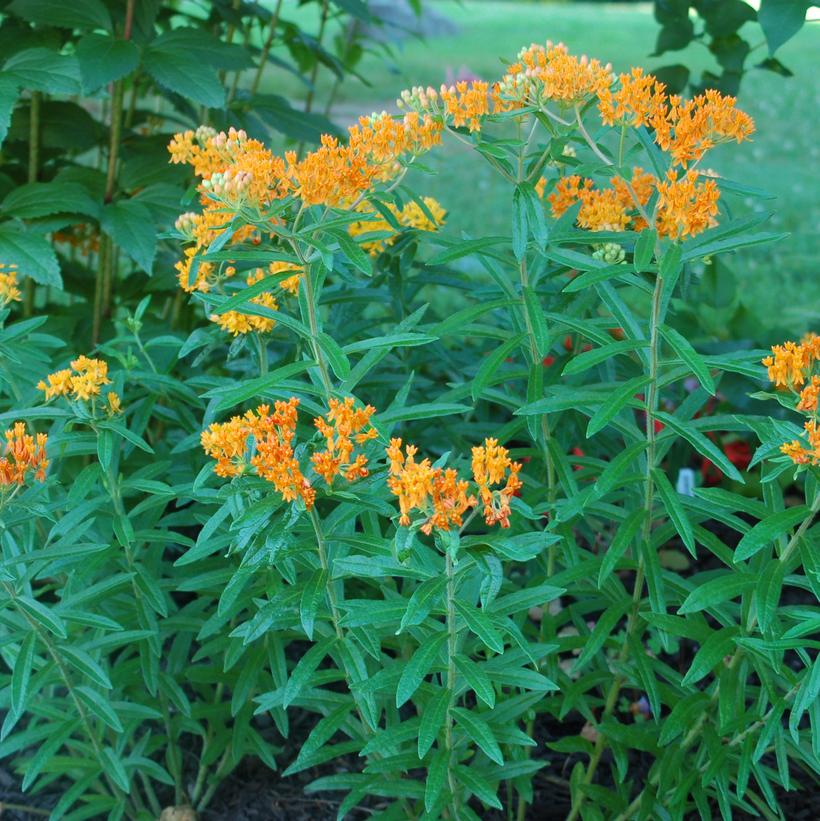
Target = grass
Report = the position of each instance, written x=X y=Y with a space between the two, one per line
x=780 y=159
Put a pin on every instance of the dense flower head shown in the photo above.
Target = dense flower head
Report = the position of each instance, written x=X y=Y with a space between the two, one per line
x=24 y=454
x=492 y=466
x=437 y=494
x=343 y=428
x=639 y=99
x=261 y=442
x=686 y=206
x=608 y=209
x=237 y=322
x=690 y=128
x=466 y=103
x=794 y=367
x=411 y=215
x=550 y=72
x=82 y=381
x=9 y=292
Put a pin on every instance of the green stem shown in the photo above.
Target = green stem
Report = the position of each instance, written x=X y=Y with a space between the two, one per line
x=33 y=170
x=646 y=539
x=266 y=47
x=451 y=676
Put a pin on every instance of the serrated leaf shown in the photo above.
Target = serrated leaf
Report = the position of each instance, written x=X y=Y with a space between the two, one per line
x=39 y=199
x=32 y=254
x=131 y=226
x=181 y=72
x=418 y=667
x=104 y=60
x=42 y=69
x=86 y=14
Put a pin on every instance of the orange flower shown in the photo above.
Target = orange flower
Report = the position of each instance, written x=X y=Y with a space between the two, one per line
x=688 y=130
x=544 y=73
x=9 y=292
x=439 y=495
x=639 y=100
x=466 y=103
x=236 y=322
x=82 y=381
x=272 y=436
x=343 y=428
x=24 y=454
x=786 y=368
x=797 y=450
x=491 y=465
x=686 y=207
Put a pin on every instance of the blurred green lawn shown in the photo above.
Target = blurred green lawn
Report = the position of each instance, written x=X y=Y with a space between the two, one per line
x=782 y=159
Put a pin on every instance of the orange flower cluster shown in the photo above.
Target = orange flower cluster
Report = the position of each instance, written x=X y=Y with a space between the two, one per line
x=685 y=206
x=689 y=129
x=792 y=367
x=9 y=292
x=263 y=443
x=640 y=99
x=441 y=497
x=24 y=454
x=492 y=466
x=344 y=427
x=82 y=381
x=410 y=216
x=792 y=362
x=236 y=322
x=438 y=494
x=466 y=103
x=609 y=209
x=544 y=73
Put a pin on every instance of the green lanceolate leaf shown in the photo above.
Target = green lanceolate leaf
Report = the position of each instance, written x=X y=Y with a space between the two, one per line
x=477 y=679
x=436 y=778
x=717 y=591
x=422 y=600
x=627 y=531
x=589 y=359
x=615 y=403
x=764 y=533
x=479 y=731
x=433 y=720
x=644 y=250
x=690 y=356
x=536 y=321
x=479 y=624
x=43 y=615
x=671 y=500
x=312 y=595
x=600 y=633
x=711 y=653
x=304 y=670
x=21 y=674
x=491 y=364
x=418 y=667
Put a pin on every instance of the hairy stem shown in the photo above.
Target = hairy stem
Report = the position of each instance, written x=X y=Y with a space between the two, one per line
x=451 y=676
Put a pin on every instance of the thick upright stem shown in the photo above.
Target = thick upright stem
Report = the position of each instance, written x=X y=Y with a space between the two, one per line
x=266 y=47
x=646 y=538
x=451 y=676
x=33 y=171
x=313 y=322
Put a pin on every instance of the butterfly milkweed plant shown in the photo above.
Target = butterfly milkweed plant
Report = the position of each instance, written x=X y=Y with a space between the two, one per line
x=408 y=512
